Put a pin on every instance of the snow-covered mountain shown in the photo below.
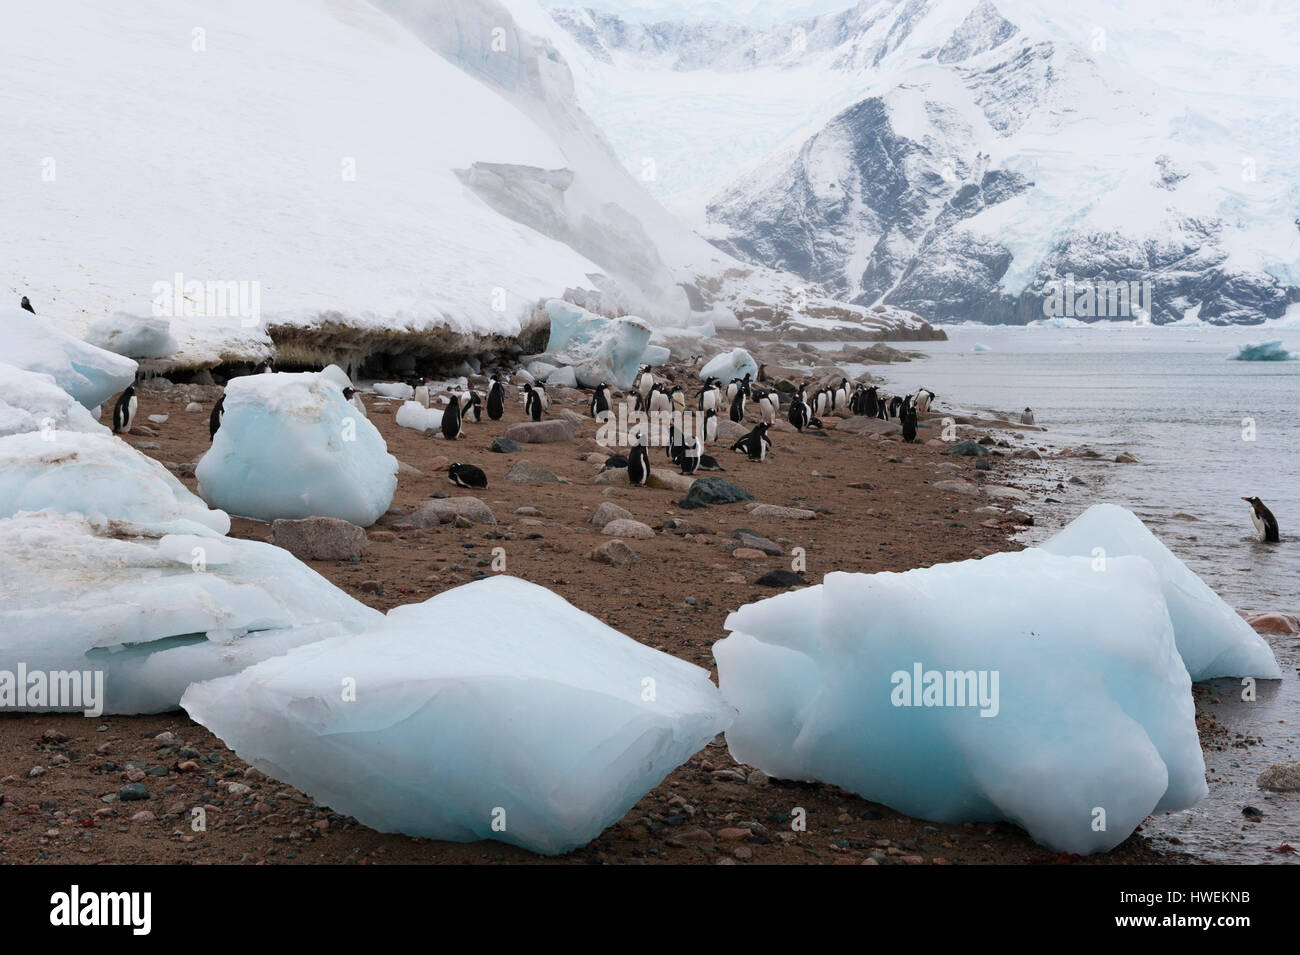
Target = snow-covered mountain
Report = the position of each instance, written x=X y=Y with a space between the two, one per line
x=988 y=160
x=334 y=177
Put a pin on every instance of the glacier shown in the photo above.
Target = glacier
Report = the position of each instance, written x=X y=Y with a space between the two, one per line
x=89 y=374
x=1213 y=640
x=495 y=710
x=1022 y=686
x=291 y=446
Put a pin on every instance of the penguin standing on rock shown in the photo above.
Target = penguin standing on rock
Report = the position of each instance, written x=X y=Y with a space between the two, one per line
x=923 y=399
x=638 y=465
x=496 y=403
x=124 y=411
x=544 y=397
x=532 y=403
x=214 y=419
x=451 y=421
x=1264 y=521
x=466 y=475
x=26 y=303
x=768 y=406
x=645 y=380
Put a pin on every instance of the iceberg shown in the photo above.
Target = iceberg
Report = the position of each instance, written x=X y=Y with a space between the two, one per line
x=495 y=710
x=727 y=365
x=655 y=355
x=291 y=446
x=30 y=401
x=1023 y=687
x=1212 y=638
x=412 y=414
x=1263 y=351
x=153 y=614
x=91 y=375
x=95 y=474
x=597 y=348
x=133 y=336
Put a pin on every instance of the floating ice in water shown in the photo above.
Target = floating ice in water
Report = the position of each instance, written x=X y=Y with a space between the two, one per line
x=133 y=336
x=655 y=355
x=91 y=375
x=981 y=348
x=495 y=710
x=597 y=348
x=290 y=445
x=412 y=414
x=1212 y=638
x=30 y=401
x=736 y=363
x=1048 y=695
x=1263 y=351
x=100 y=476
x=153 y=614
x=392 y=389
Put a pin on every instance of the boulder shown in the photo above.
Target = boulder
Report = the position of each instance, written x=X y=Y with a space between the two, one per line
x=540 y=432
x=609 y=511
x=775 y=510
x=624 y=527
x=445 y=511
x=524 y=471
x=319 y=538
x=615 y=553
x=708 y=491
x=505 y=446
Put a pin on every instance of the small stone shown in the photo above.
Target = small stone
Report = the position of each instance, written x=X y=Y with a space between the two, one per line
x=505 y=446
x=133 y=792
x=747 y=553
x=773 y=510
x=615 y=553
x=1126 y=458
x=1281 y=778
x=758 y=778
x=623 y=527
x=524 y=471
x=193 y=407
x=781 y=578
x=144 y=815
x=609 y=511
x=36 y=771
x=371 y=587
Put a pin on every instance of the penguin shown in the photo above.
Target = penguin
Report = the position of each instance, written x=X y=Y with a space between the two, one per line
x=768 y=406
x=214 y=419
x=451 y=422
x=353 y=398
x=421 y=392
x=822 y=402
x=496 y=403
x=600 y=402
x=709 y=463
x=614 y=462
x=740 y=385
x=644 y=381
x=908 y=419
x=471 y=406
x=708 y=397
x=1027 y=416
x=26 y=303
x=265 y=367
x=840 y=396
x=676 y=442
x=871 y=402
x=738 y=405
x=710 y=427
x=690 y=456
x=923 y=399
x=678 y=398
x=658 y=400
x=798 y=413
x=638 y=465
x=124 y=410
x=755 y=444
x=466 y=475
x=532 y=403
x=895 y=406
x=1263 y=519
x=544 y=396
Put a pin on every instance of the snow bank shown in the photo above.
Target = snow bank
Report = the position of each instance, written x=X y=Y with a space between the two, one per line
x=1212 y=639
x=291 y=446
x=598 y=348
x=89 y=374
x=727 y=365
x=101 y=477
x=495 y=710
x=30 y=401
x=1085 y=726
x=154 y=614
x=133 y=336
x=1263 y=351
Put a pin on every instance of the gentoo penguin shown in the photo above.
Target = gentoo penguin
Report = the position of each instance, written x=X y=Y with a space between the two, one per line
x=638 y=465
x=738 y=385
x=26 y=303
x=823 y=402
x=710 y=427
x=676 y=441
x=708 y=396
x=124 y=411
x=678 y=398
x=768 y=406
x=466 y=475
x=614 y=462
x=1027 y=416
x=1263 y=519
x=798 y=413
x=709 y=463
x=690 y=455
x=451 y=423
x=422 y=392
x=214 y=419
x=265 y=367
x=644 y=381
x=600 y=401
x=738 y=405
x=471 y=406
x=354 y=399
x=840 y=396
x=658 y=400
x=895 y=406
x=532 y=403
x=908 y=419
x=923 y=399
x=496 y=403
x=755 y=444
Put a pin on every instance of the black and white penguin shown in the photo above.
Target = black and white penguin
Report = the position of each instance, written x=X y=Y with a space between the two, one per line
x=614 y=462
x=353 y=398
x=265 y=367
x=1027 y=416
x=738 y=385
x=895 y=406
x=678 y=398
x=840 y=396
x=709 y=396
x=1263 y=519
x=600 y=399
x=923 y=399
x=466 y=475
x=544 y=397
x=710 y=427
x=451 y=421
x=907 y=417
x=645 y=380
x=690 y=455
x=532 y=403
x=657 y=400
x=823 y=402
x=768 y=405
x=709 y=463
x=214 y=419
x=798 y=413
x=755 y=444
x=738 y=405
x=421 y=393
x=471 y=406
x=638 y=465
x=124 y=410
x=26 y=303
x=496 y=403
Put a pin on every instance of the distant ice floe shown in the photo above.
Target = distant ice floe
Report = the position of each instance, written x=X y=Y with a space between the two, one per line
x=495 y=710
x=90 y=375
x=1263 y=351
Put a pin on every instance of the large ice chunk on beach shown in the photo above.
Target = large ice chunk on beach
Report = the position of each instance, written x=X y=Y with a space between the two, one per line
x=31 y=401
x=153 y=614
x=727 y=365
x=135 y=336
x=91 y=375
x=412 y=414
x=495 y=710
x=290 y=445
x=100 y=476
x=1022 y=687
x=1212 y=638
x=598 y=348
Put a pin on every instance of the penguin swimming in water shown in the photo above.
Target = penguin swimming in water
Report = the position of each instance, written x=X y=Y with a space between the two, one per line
x=124 y=410
x=466 y=475
x=755 y=444
x=532 y=403
x=638 y=465
x=738 y=405
x=1263 y=519
x=214 y=419
x=451 y=421
x=496 y=403
x=600 y=401
x=26 y=303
